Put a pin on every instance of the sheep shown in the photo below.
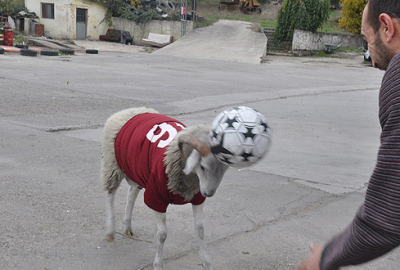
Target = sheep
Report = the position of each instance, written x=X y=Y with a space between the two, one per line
x=185 y=171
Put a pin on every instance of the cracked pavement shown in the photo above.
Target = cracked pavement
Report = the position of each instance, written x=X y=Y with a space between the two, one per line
x=323 y=113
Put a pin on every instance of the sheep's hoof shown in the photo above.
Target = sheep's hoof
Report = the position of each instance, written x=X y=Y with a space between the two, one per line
x=110 y=238
x=129 y=233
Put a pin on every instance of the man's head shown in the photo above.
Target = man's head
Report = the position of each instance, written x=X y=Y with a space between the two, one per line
x=381 y=29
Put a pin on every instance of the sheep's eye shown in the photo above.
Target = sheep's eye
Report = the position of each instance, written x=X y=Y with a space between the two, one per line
x=202 y=168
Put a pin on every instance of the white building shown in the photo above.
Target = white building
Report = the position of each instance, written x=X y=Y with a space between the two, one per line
x=66 y=19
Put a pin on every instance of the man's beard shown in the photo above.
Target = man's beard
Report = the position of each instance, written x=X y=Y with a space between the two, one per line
x=383 y=54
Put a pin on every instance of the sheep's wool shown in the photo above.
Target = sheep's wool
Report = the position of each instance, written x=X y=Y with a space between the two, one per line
x=140 y=149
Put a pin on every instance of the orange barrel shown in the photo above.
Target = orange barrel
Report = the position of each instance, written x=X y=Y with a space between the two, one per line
x=39 y=30
x=8 y=37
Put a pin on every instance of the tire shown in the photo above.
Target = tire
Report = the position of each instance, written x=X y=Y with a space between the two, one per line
x=171 y=5
x=91 y=51
x=49 y=52
x=168 y=4
x=22 y=46
x=67 y=51
x=27 y=52
x=1 y=50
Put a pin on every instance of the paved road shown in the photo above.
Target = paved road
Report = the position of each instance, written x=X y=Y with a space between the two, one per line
x=325 y=136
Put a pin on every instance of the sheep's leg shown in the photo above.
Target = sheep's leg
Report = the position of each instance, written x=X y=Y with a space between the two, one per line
x=199 y=228
x=133 y=192
x=161 y=220
x=110 y=223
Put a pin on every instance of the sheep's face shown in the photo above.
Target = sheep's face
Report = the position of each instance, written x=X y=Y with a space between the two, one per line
x=209 y=170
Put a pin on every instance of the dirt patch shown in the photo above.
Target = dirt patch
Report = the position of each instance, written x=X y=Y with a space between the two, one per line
x=269 y=12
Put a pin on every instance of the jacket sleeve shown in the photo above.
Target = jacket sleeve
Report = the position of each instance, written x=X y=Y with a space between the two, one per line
x=359 y=243
x=375 y=229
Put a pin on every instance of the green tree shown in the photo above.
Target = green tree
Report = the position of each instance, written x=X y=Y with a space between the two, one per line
x=11 y=7
x=352 y=14
x=117 y=7
x=306 y=15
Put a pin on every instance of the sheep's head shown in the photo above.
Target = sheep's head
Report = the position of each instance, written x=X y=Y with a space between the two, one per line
x=202 y=162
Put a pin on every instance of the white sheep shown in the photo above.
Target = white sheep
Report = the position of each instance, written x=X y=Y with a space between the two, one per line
x=179 y=168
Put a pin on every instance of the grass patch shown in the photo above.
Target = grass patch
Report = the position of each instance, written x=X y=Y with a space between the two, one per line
x=203 y=22
x=269 y=24
x=149 y=49
x=19 y=38
x=210 y=13
x=323 y=54
x=208 y=10
x=331 y=26
x=338 y=51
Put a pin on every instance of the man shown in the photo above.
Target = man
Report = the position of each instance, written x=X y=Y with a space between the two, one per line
x=375 y=229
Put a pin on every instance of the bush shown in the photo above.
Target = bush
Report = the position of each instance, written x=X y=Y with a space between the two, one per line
x=352 y=14
x=306 y=15
x=12 y=7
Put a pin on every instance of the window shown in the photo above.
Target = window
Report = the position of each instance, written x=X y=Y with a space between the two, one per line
x=47 y=10
x=80 y=15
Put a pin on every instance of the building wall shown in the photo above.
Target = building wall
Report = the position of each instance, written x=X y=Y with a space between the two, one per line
x=96 y=26
x=63 y=25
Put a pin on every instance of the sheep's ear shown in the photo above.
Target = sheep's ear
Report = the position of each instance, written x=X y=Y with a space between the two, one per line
x=192 y=162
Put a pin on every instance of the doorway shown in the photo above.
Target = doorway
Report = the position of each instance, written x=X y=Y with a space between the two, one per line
x=81 y=17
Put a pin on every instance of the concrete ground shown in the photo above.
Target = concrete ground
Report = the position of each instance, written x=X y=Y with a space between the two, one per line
x=224 y=40
x=323 y=112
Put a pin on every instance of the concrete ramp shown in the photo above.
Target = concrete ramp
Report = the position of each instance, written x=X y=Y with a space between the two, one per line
x=225 y=40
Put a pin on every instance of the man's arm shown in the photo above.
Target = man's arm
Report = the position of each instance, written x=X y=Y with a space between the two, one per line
x=375 y=229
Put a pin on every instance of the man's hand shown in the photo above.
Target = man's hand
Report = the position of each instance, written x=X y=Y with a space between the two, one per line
x=313 y=261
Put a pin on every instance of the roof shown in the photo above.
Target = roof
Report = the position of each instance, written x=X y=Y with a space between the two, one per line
x=100 y=2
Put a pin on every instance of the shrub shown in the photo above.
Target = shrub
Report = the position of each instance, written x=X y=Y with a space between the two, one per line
x=118 y=6
x=306 y=15
x=352 y=14
x=12 y=7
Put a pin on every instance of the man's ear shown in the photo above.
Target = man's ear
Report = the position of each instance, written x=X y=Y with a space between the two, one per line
x=387 y=26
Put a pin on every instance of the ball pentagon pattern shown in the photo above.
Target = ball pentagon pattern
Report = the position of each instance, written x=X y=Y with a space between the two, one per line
x=240 y=136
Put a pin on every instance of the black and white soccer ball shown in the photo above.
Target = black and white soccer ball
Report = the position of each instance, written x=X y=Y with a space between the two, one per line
x=240 y=136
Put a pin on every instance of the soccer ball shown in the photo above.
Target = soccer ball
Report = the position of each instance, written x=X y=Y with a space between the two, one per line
x=240 y=136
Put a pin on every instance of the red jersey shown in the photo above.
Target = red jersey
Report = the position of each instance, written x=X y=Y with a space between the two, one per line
x=140 y=148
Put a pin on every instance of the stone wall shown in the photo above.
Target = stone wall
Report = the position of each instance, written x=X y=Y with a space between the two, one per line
x=139 y=31
x=309 y=41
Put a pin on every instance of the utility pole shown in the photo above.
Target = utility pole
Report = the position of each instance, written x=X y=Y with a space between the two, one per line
x=194 y=19
x=183 y=17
